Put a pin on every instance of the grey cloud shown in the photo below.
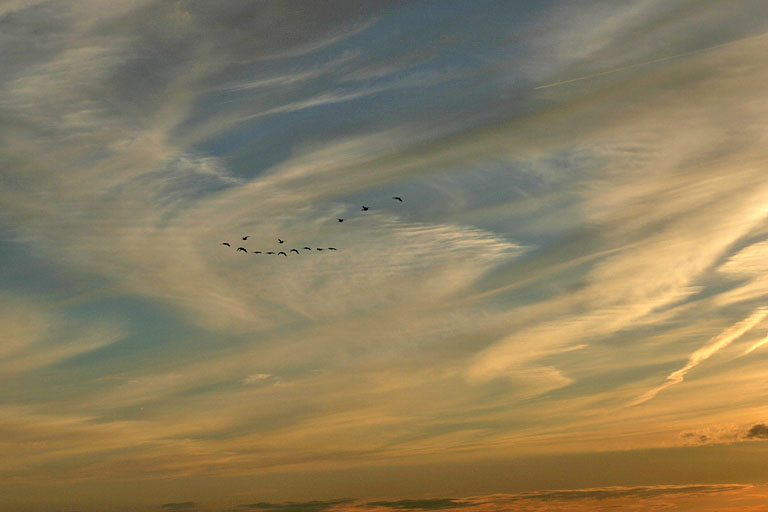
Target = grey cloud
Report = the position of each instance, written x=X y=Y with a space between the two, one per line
x=308 y=506
x=180 y=507
x=30 y=34
x=166 y=46
x=431 y=504
x=240 y=30
x=259 y=29
x=758 y=431
x=719 y=434
x=695 y=438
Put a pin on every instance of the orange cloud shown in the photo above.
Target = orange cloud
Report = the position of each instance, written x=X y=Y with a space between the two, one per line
x=723 y=497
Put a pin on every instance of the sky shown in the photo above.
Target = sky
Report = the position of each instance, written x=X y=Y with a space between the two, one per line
x=567 y=311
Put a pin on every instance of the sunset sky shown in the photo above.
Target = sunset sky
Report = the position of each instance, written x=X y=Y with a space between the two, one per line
x=567 y=311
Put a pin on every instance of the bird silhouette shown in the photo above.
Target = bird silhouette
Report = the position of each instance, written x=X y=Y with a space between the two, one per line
x=307 y=248
x=246 y=237
x=331 y=248
x=294 y=250
x=398 y=198
x=226 y=243
x=281 y=252
x=341 y=220
x=365 y=208
x=256 y=252
x=281 y=241
x=241 y=249
x=270 y=252
x=319 y=248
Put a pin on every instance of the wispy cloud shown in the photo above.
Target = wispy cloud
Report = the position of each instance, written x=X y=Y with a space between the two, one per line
x=36 y=335
x=755 y=346
x=554 y=250
x=645 y=63
x=714 y=345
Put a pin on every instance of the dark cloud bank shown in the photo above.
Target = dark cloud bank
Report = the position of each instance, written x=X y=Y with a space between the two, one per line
x=309 y=506
x=503 y=501
x=759 y=431
x=179 y=507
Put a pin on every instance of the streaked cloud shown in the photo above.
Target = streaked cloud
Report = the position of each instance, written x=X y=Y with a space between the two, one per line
x=560 y=251
x=755 y=346
x=714 y=345
x=609 y=498
x=35 y=336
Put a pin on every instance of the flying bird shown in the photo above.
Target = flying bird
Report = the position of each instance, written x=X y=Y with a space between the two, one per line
x=294 y=250
x=398 y=198
x=319 y=248
x=365 y=208
x=341 y=220
x=307 y=248
x=270 y=252
x=281 y=241
x=241 y=249
x=281 y=252
x=331 y=248
x=246 y=237
x=226 y=243
x=256 y=252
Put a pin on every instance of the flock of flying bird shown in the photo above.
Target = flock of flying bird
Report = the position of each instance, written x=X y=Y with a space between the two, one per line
x=284 y=253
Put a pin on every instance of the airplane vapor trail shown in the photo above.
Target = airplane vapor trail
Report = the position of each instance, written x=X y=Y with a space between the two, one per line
x=647 y=62
x=717 y=343
x=756 y=346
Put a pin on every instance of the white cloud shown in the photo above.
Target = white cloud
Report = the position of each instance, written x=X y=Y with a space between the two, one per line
x=256 y=377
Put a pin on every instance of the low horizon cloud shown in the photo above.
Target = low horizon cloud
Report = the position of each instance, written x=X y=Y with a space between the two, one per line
x=606 y=498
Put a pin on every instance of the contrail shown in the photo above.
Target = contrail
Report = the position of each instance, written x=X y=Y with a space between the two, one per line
x=720 y=341
x=756 y=346
x=646 y=63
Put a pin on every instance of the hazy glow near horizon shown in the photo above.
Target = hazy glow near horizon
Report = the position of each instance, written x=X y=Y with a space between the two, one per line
x=578 y=268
